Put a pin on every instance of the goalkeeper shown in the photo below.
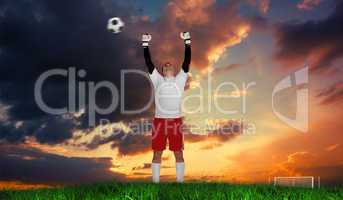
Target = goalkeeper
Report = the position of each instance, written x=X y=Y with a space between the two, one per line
x=168 y=87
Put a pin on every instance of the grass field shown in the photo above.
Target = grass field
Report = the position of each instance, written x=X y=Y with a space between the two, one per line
x=165 y=191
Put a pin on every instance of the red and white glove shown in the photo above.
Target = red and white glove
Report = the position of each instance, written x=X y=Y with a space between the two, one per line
x=146 y=38
x=186 y=36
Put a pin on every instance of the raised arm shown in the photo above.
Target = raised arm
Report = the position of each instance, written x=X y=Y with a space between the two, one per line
x=187 y=58
x=148 y=60
x=146 y=39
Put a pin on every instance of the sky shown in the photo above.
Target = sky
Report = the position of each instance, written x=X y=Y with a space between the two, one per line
x=251 y=44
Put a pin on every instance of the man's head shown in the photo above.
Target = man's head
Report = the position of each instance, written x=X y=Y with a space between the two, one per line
x=168 y=70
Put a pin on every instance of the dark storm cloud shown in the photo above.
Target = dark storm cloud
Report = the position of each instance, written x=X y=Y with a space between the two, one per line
x=127 y=144
x=54 y=130
x=98 y=140
x=36 y=36
x=133 y=144
x=14 y=133
x=320 y=42
x=34 y=166
x=138 y=139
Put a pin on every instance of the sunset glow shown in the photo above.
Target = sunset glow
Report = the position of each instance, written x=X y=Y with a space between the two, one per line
x=246 y=72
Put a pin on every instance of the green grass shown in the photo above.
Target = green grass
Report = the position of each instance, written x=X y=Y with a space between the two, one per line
x=165 y=191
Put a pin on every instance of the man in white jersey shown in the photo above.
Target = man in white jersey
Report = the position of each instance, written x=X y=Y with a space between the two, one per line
x=167 y=123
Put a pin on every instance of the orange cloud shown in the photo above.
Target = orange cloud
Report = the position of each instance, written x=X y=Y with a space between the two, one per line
x=295 y=160
x=180 y=10
x=18 y=185
x=263 y=5
x=308 y=4
x=332 y=147
x=213 y=30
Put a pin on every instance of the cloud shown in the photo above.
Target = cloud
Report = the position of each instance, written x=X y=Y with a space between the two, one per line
x=218 y=133
x=317 y=42
x=213 y=28
x=4 y=113
x=49 y=35
x=145 y=166
x=294 y=160
x=100 y=135
x=128 y=138
x=262 y=5
x=135 y=138
x=39 y=167
x=55 y=130
x=66 y=30
x=36 y=36
x=332 y=147
x=133 y=144
x=226 y=68
x=17 y=185
x=332 y=94
x=307 y=164
x=308 y=4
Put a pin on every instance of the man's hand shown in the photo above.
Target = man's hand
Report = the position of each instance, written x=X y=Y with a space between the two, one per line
x=146 y=38
x=186 y=36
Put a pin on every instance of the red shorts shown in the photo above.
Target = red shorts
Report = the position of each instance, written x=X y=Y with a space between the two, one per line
x=163 y=129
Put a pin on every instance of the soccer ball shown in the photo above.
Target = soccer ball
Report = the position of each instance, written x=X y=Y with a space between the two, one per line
x=115 y=25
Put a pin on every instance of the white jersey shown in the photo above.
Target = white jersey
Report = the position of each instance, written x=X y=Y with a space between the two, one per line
x=168 y=94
